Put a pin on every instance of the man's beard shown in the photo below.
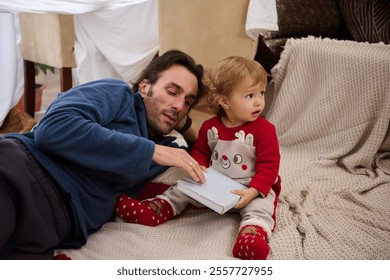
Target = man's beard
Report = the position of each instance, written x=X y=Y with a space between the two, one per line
x=154 y=126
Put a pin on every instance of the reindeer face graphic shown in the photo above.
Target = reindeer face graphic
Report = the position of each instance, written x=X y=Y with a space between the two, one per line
x=236 y=158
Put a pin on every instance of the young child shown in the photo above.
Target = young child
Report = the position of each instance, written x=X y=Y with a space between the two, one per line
x=237 y=142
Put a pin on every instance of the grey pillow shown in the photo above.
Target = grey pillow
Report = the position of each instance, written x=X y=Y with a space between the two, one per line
x=367 y=20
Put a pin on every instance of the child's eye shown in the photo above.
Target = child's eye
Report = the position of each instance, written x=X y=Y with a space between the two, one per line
x=262 y=93
x=249 y=96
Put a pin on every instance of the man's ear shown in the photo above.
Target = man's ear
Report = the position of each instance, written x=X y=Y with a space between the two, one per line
x=144 y=87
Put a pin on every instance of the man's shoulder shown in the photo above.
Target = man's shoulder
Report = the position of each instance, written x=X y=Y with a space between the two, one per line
x=114 y=87
x=106 y=82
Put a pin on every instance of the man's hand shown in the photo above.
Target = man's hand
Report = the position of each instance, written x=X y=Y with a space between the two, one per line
x=169 y=156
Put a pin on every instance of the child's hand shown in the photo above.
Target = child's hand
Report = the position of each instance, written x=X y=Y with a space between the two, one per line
x=247 y=196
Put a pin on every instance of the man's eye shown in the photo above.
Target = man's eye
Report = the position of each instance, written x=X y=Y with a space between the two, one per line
x=174 y=93
x=190 y=101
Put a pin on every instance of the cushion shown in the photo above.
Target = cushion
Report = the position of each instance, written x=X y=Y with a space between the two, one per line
x=299 y=18
x=296 y=19
x=367 y=20
x=17 y=121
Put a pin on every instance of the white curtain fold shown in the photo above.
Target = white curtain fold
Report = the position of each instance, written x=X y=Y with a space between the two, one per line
x=262 y=16
x=11 y=72
x=64 y=6
x=116 y=43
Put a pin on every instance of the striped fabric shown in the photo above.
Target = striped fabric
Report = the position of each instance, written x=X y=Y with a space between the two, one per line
x=367 y=20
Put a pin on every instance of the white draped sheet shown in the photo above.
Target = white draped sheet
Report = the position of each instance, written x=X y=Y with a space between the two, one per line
x=11 y=72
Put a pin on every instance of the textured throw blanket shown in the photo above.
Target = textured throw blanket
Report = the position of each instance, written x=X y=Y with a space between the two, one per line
x=331 y=108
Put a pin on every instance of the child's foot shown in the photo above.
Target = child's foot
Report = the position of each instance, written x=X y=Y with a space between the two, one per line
x=146 y=212
x=61 y=257
x=251 y=244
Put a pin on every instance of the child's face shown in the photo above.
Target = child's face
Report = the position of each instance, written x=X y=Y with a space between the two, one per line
x=245 y=103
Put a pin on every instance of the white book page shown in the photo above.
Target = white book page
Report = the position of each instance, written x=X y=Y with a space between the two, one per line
x=217 y=188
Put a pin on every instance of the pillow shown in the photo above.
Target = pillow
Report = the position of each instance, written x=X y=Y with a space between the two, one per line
x=367 y=20
x=17 y=121
x=300 y=18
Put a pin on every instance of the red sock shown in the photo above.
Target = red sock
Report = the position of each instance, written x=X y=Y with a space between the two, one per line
x=61 y=257
x=139 y=212
x=251 y=244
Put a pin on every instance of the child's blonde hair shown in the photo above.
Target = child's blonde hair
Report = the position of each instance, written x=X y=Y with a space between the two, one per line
x=226 y=74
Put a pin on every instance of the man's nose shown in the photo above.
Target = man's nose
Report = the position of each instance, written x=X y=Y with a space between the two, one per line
x=179 y=103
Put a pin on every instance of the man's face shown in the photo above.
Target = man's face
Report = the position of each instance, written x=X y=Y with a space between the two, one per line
x=169 y=99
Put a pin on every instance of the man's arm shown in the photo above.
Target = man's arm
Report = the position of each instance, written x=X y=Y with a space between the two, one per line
x=98 y=125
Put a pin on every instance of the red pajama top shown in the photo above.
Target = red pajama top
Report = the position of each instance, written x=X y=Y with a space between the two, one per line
x=248 y=153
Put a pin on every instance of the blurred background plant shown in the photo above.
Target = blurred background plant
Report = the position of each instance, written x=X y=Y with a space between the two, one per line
x=39 y=67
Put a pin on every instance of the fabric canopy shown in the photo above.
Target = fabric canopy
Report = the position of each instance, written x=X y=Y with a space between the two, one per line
x=64 y=6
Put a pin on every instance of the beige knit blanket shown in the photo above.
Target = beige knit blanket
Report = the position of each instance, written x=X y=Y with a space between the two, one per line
x=331 y=108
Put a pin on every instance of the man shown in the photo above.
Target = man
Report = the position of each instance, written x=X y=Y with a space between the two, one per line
x=59 y=182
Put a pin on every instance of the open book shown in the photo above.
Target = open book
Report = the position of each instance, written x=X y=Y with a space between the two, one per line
x=215 y=193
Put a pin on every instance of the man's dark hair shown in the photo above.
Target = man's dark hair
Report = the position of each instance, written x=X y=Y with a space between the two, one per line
x=161 y=63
